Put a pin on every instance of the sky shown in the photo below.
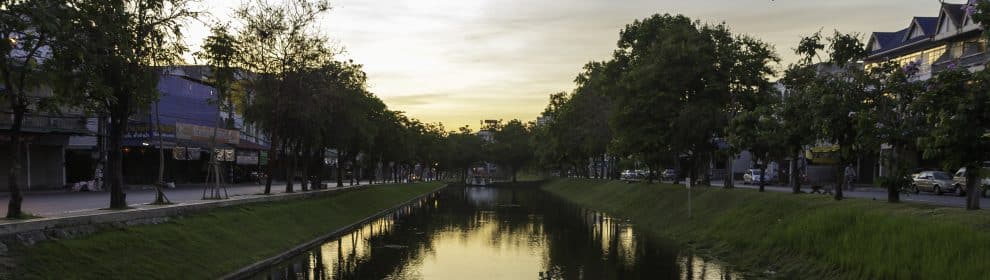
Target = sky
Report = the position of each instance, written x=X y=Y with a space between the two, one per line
x=462 y=61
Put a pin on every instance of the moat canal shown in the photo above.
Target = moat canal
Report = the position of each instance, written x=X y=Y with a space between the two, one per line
x=496 y=233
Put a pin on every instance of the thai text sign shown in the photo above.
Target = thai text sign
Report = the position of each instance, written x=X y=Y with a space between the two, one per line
x=205 y=133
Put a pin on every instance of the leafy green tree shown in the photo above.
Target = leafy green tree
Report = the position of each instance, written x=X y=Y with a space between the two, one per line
x=794 y=112
x=590 y=108
x=759 y=131
x=512 y=146
x=748 y=64
x=958 y=114
x=220 y=51
x=118 y=46
x=673 y=90
x=465 y=150
x=893 y=118
x=279 y=41
x=663 y=57
x=841 y=86
x=28 y=34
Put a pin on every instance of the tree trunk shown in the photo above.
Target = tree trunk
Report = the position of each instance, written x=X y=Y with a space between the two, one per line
x=99 y=174
x=841 y=180
x=118 y=127
x=304 y=184
x=270 y=168
x=795 y=175
x=894 y=190
x=514 y=174
x=729 y=183
x=14 y=205
x=320 y=168
x=340 y=170
x=290 y=172
x=973 y=187
x=763 y=176
x=160 y=197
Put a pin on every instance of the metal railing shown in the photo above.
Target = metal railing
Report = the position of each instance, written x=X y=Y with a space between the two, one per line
x=963 y=62
x=46 y=122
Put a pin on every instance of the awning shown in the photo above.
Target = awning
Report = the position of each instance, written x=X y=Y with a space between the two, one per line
x=248 y=145
x=170 y=142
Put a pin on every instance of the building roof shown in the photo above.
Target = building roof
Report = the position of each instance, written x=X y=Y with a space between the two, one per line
x=955 y=13
x=927 y=24
x=918 y=32
x=888 y=40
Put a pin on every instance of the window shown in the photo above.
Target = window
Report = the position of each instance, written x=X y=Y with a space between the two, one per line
x=973 y=47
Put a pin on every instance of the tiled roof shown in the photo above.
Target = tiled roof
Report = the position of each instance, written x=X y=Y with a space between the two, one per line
x=928 y=24
x=955 y=12
x=889 y=40
x=893 y=40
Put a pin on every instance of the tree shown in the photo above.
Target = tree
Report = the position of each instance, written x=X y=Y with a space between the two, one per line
x=276 y=41
x=892 y=117
x=759 y=131
x=841 y=87
x=119 y=45
x=958 y=115
x=220 y=52
x=794 y=113
x=589 y=110
x=664 y=59
x=28 y=29
x=512 y=147
x=748 y=63
x=465 y=150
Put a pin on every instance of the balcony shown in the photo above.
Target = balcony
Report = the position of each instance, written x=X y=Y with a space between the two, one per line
x=964 y=62
x=68 y=124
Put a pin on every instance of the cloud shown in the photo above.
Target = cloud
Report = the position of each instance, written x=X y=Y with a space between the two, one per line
x=460 y=61
x=414 y=99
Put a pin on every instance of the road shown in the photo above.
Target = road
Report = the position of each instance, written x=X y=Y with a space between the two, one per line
x=880 y=195
x=55 y=203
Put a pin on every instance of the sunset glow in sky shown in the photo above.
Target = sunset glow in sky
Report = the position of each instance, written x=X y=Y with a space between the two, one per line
x=461 y=61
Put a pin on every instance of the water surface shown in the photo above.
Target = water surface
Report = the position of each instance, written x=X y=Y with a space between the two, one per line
x=497 y=233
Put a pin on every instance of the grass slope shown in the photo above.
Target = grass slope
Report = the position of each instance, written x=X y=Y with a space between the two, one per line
x=803 y=236
x=207 y=245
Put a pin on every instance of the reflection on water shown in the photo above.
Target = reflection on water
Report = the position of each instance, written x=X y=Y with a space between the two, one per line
x=496 y=233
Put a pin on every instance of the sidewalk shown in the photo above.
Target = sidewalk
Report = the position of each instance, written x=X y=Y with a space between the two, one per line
x=62 y=203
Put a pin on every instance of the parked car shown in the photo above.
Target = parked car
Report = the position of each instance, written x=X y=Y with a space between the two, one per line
x=753 y=176
x=669 y=174
x=937 y=182
x=960 y=181
x=628 y=175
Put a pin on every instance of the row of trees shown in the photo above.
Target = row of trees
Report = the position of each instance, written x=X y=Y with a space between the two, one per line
x=668 y=93
x=101 y=57
x=271 y=62
x=675 y=89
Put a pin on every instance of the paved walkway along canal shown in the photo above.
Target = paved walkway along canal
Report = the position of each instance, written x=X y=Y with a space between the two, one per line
x=496 y=233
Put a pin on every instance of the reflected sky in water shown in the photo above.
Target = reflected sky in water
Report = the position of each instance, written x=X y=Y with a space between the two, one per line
x=496 y=233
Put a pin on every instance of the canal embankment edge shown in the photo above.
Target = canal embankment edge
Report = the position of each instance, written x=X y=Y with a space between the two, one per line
x=206 y=245
x=262 y=265
x=76 y=225
x=787 y=236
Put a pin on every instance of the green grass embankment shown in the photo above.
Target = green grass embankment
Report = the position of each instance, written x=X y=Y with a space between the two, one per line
x=802 y=236
x=208 y=245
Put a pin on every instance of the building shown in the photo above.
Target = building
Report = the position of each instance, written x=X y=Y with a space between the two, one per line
x=952 y=40
x=181 y=123
x=934 y=44
x=45 y=138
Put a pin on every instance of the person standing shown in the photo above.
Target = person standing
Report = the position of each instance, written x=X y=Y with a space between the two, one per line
x=850 y=176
